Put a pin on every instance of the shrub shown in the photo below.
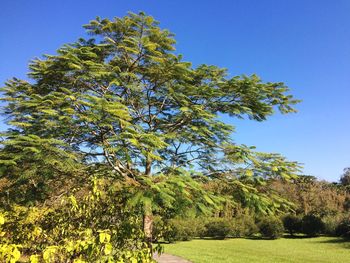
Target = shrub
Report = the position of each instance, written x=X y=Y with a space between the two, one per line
x=292 y=224
x=343 y=229
x=331 y=224
x=198 y=225
x=312 y=225
x=243 y=226
x=218 y=228
x=271 y=227
x=183 y=229
x=63 y=232
x=179 y=230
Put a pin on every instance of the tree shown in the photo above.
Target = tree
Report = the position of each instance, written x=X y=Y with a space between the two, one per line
x=126 y=102
x=304 y=192
x=345 y=178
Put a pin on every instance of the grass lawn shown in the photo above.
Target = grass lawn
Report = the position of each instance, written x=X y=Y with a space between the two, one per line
x=306 y=250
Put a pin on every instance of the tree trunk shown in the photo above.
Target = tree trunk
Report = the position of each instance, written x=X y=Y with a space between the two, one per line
x=147 y=228
x=148 y=215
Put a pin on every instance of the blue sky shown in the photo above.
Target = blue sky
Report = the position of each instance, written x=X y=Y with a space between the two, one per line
x=305 y=44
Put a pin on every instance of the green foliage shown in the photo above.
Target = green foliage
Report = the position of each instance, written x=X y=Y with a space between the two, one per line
x=243 y=226
x=343 y=229
x=304 y=192
x=92 y=227
x=183 y=229
x=36 y=169
x=292 y=224
x=9 y=253
x=312 y=225
x=345 y=178
x=331 y=224
x=126 y=99
x=271 y=227
x=218 y=228
x=180 y=230
x=159 y=228
x=171 y=193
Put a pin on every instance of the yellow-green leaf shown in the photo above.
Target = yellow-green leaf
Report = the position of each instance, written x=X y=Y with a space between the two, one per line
x=108 y=249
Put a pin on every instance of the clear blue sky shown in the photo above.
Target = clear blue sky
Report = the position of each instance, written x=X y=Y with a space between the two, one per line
x=305 y=44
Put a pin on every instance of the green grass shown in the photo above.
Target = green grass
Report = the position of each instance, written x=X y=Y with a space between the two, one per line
x=306 y=250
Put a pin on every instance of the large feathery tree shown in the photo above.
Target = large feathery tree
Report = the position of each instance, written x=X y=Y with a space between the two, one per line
x=125 y=100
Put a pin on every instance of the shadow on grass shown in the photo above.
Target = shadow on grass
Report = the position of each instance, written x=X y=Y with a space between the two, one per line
x=342 y=242
x=297 y=236
x=286 y=236
x=259 y=238
x=162 y=242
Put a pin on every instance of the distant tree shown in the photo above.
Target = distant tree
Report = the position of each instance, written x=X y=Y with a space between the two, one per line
x=345 y=178
x=305 y=191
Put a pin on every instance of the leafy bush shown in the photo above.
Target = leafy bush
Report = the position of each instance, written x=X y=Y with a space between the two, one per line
x=183 y=229
x=343 y=229
x=243 y=226
x=271 y=227
x=64 y=232
x=292 y=224
x=186 y=229
x=199 y=226
x=331 y=224
x=312 y=225
x=218 y=228
x=9 y=253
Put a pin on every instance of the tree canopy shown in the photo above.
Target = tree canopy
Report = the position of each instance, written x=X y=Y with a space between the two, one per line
x=126 y=98
x=345 y=178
